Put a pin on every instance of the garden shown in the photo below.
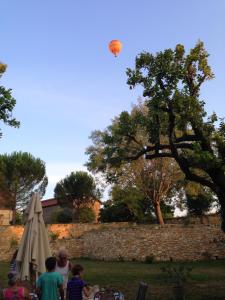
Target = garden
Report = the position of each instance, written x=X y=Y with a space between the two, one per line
x=206 y=280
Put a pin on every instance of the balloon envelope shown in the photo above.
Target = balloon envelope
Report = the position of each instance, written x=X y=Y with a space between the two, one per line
x=115 y=47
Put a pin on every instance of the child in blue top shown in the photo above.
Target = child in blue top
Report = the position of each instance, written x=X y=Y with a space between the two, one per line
x=76 y=287
x=50 y=284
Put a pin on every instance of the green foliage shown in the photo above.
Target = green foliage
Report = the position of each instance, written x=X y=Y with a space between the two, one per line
x=13 y=242
x=149 y=259
x=131 y=198
x=21 y=174
x=64 y=216
x=76 y=189
x=126 y=205
x=156 y=180
x=177 y=274
x=19 y=218
x=175 y=124
x=85 y=215
x=7 y=103
x=199 y=199
x=199 y=205
x=118 y=212
x=53 y=235
x=130 y=205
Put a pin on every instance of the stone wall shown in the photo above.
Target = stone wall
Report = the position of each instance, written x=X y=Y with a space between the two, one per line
x=171 y=242
x=212 y=219
x=124 y=241
x=5 y=216
x=60 y=235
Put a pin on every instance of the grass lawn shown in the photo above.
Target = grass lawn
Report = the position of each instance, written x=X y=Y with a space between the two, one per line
x=207 y=278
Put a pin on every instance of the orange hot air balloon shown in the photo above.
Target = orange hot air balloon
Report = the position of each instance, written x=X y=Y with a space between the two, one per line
x=115 y=47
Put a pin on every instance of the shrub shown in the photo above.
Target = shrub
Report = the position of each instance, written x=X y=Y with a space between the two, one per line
x=177 y=274
x=85 y=215
x=53 y=235
x=19 y=218
x=120 y=258
x=13 y=242
x=64 y=216
x=149 y=259
x=199 y=205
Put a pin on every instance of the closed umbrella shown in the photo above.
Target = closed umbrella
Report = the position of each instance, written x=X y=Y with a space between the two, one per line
x=34 y=246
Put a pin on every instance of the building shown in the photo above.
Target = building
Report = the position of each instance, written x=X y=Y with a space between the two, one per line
x=51 y=207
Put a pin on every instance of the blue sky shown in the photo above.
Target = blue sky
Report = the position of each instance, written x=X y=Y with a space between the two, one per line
x=67 y=83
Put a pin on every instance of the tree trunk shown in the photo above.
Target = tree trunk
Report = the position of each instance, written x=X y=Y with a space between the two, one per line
x=158 y=213
x=218 y=178
x=221 y=198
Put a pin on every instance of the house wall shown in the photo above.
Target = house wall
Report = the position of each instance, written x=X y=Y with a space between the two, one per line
x=49 y=212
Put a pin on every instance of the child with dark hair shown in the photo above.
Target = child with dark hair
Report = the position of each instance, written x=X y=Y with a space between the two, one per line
x=76 y=287
x=50 y=284
x=14 y=291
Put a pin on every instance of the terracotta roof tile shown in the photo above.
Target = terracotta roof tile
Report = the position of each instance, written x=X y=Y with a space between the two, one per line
x=49 y=202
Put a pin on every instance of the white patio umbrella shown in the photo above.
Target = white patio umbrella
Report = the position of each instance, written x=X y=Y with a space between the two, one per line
x=34 y=246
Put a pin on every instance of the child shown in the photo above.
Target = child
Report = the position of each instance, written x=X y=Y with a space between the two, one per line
x=13 y=266
x=14 y=290
x=76 y=287
x=50 y=284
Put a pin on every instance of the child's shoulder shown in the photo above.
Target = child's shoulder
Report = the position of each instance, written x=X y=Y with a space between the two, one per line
x=76 y=280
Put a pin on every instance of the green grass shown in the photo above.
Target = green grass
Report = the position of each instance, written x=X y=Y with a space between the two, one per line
x=207 y=278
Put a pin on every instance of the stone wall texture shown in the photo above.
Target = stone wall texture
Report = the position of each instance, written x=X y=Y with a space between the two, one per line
x=212 y=219
x=5 y=216
x=124 y=241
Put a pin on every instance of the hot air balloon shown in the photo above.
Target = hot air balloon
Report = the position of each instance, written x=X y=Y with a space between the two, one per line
x=115 y=47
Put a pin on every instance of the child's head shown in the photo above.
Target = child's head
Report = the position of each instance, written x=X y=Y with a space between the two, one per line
x=12 y=279
x=77 y=270
x=50 y=264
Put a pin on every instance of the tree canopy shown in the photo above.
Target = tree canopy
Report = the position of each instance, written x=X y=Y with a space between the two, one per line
x=176 y=122
x=199 y=199
x=21 y=174
x=158 y=180
x=76 y=190
x=7 y=103
x=129 y=204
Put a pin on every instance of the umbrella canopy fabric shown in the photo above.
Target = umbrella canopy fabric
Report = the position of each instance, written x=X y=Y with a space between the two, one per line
x=34 y=246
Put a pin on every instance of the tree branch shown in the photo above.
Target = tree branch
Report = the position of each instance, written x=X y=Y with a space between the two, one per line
x=167 y=146
x=138 y=155
x=187 y=138
x=134 y=140
x=158 y=155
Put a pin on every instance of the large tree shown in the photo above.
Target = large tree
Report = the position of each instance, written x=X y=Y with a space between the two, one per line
x=21 y=174
x=158 y=179
x=176 y=123
x=129 y=204
x=76 y=191
x=7 y=103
